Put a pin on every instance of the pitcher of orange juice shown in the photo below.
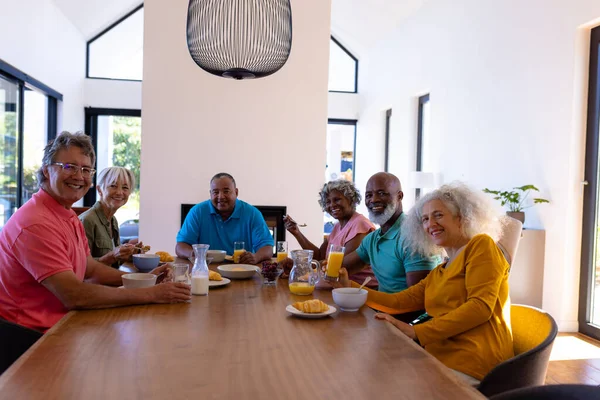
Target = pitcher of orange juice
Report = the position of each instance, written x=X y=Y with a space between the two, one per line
x=303 y=277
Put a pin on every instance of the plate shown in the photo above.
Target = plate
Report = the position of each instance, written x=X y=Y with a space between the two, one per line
x=223 y=282
x=237 y=271
x=300 y=314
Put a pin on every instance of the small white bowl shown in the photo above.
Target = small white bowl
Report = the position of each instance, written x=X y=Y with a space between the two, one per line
x=135 y=281
x=349 y=299
x=216 y=255
x=237 y=271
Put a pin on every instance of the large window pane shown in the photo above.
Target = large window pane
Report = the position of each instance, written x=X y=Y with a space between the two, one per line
x=342 y=69
x=118 y=53
x=340 y=157
x=120 y=144
x=9 y=161
x=35 y=127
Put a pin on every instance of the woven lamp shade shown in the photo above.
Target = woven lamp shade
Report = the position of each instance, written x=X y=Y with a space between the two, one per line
x=239 y=39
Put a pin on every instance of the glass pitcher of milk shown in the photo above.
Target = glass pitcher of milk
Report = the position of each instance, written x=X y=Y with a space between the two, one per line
x=200 y=270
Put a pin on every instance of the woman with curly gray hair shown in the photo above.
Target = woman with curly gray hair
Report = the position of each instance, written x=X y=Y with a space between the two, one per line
x=467 y=295
x=339 y=198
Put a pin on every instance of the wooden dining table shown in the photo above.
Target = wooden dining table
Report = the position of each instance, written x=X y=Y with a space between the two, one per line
x=239 y=342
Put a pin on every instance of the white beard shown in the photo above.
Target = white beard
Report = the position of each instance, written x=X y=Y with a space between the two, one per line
x=384 y=217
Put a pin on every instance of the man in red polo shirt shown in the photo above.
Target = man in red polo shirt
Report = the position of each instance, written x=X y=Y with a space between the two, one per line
x=45 y=264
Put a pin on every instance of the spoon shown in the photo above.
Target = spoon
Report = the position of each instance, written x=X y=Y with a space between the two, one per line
x=364 y=283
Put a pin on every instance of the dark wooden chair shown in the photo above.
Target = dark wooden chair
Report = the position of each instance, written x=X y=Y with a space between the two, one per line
x=80 y=210
x=534 y=332
x=551 y=392
x=14 y=341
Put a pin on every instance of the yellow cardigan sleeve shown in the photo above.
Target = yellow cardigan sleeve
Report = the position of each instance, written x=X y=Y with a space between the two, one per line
x=485 y=270
x=411 y=299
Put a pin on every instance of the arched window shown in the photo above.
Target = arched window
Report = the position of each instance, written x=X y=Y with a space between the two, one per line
x=117 y=52
x=343 y=69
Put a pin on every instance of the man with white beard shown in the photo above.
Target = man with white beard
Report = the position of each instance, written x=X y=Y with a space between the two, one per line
x=395 y=266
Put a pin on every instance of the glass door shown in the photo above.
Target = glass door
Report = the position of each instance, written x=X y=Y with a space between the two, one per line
x=589 y=293
x=9 y=148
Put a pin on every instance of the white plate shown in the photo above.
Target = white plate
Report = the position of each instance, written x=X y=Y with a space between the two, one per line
x=300 y=314
x=223 y=282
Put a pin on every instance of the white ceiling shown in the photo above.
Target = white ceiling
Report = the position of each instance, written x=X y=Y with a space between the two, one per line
x=93 y=16
x=358 y=24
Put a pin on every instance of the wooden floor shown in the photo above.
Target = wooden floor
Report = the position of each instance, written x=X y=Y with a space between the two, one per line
x=575 y=359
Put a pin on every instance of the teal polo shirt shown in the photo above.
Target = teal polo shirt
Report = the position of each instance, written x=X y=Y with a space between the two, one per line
x=203 y=224
x=391 y=259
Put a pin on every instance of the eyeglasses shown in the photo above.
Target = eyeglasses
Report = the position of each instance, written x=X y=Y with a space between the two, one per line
x=73 y=169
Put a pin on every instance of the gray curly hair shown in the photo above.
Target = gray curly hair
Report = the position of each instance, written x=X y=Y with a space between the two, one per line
x=64 y=141
x=477 y=212
x=346 y=188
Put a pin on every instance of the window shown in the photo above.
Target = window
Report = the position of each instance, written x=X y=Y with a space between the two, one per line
x=343 y=69
x=341 y=153
x=27 y=121
x=117 y=137
x=423 y=137
x=117 y=52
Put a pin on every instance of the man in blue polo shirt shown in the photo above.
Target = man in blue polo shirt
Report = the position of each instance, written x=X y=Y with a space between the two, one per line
x=225 y=219
x=395 y=267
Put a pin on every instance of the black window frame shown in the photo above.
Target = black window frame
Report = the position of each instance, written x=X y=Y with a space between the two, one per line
x=590 y=193
x=342 y=121
x=388 y=120
x=27 y=82
x=355 y=68
x=98 y=36
x=91 y=127
x=419 y=162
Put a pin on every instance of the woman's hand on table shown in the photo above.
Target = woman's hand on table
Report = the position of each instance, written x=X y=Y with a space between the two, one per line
x=167 y=272
x=402 y=326
x=171 y=292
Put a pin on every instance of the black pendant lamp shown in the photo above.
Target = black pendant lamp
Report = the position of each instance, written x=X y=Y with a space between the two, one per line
x=239 y=39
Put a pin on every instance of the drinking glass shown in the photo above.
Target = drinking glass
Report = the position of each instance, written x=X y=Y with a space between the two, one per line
x=239 y=248
x=282 y=251
x=334 y=262
x=181 y=273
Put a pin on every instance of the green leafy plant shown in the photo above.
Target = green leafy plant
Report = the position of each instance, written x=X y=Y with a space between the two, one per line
x=515 y=198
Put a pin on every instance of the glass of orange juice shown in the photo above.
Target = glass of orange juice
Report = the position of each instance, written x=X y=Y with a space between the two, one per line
x=334 y=262
x=282 y=251
x=239 y=248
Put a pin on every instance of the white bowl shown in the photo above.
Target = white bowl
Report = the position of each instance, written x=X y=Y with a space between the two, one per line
x=216 y=255
x=237 y=271
x=349 y=299
x=135 y=281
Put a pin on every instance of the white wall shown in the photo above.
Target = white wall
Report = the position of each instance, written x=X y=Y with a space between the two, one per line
x=36 y=38
x=508 y=85
x=269 y=133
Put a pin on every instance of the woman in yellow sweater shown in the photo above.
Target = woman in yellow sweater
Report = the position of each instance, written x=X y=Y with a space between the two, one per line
x=467 y=295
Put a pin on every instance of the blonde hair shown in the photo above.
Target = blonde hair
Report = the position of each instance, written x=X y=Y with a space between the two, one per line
x=477 y=212
x=111 y=175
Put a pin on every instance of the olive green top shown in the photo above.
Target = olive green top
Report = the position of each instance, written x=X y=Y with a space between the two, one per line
x=102 y=238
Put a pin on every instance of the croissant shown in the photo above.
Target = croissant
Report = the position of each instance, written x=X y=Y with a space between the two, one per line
x=214 y=276
x=165 y=256
x=311 y=306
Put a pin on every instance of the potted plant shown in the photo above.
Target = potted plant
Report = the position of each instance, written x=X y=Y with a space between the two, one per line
x=515 y=200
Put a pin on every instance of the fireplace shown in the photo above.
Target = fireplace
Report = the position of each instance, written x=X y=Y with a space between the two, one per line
x=273 y=216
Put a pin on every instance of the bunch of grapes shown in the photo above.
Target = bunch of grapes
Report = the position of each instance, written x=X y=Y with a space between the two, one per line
x=270 y=271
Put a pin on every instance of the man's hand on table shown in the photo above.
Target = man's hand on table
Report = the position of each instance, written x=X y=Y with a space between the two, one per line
x=248 y=258
x=171 y=292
